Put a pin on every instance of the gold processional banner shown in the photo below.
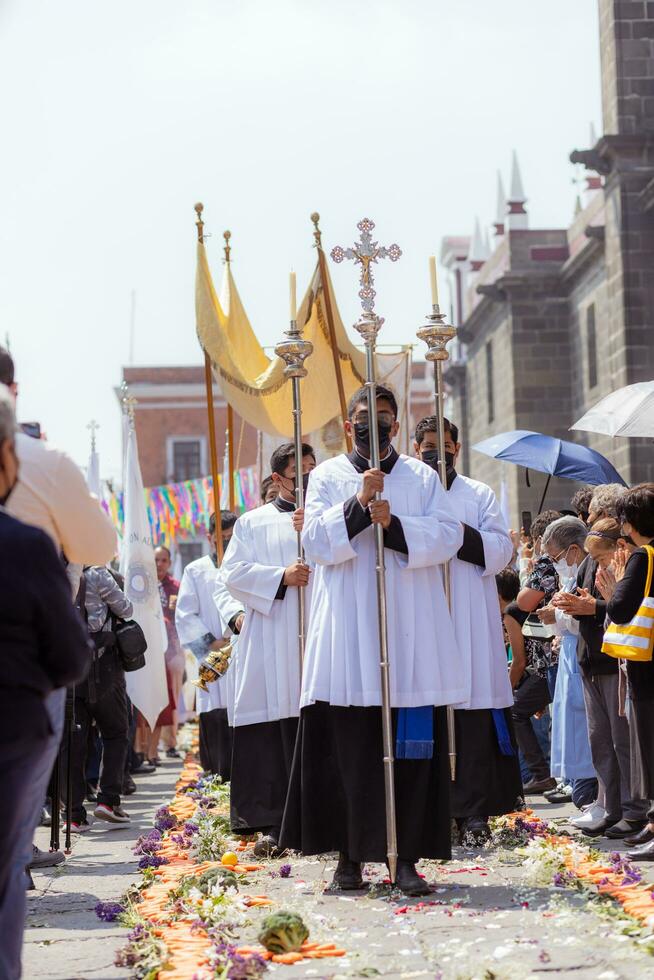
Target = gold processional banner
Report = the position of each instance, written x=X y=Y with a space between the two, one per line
x=254 y=384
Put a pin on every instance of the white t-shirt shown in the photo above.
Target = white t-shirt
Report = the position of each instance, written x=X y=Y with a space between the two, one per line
x=52 y=494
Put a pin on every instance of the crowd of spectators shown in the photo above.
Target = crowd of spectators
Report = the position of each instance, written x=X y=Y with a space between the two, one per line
x=578 y=611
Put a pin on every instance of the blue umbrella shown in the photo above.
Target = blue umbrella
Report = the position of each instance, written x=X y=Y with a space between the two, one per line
x=547 y=454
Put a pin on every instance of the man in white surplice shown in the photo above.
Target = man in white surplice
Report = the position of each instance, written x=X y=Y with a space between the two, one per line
x=262 y=572
x=202 y=627
x=336 y=795
x=488 y=774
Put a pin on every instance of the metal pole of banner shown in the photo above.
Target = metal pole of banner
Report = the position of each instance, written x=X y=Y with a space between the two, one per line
x=69 y=725
x=294 y=351
x=324 y=279
x=436 y=334
x=230 y=411
x=211 y=418
x=364 y=253
x=55 y=804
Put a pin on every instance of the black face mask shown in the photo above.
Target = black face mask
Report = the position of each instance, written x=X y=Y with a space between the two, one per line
x=362 y=436
x=214 y=554
x=305 y=482
x=431 y=458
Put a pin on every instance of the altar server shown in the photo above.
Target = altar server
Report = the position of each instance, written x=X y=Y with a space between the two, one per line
x=262 y=572
x=201 y=629
x=336 y=797
x=487 y=773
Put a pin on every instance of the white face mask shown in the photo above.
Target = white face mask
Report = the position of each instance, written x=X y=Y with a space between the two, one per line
x=565 y=571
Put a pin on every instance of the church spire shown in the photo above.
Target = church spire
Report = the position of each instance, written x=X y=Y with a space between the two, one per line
x=517 y=213
x=477 y=254
x=500 y=208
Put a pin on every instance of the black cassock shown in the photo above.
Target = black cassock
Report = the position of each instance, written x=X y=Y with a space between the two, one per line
x=261 y=760
x=216 y=743
x=338 y=773
x=487 y=782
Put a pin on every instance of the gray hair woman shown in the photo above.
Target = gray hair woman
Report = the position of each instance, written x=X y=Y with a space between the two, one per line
x=604 y=501
x=564 y=541
x=570 y=755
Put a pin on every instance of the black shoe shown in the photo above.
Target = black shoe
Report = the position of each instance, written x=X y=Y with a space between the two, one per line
x=129 y=786
x=536 y=786
x=143 y=768
x=558 y=795
x=268 y=846
x=45 y=859
x=474 y=831
x=173 y=754
x=409 y=881
x=643 y=853
x=599 y=829
x=643 y=837
x=347 y=877
x=91 y=792
x=624 y=828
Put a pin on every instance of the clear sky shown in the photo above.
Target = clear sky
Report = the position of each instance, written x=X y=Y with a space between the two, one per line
x=116 y=117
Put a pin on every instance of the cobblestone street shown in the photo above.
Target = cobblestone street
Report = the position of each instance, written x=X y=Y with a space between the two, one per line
x=485 y=918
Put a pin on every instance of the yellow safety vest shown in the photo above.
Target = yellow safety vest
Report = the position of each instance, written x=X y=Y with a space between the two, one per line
x=635 y=640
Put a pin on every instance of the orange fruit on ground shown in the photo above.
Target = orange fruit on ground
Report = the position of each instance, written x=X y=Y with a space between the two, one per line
x=229 y=859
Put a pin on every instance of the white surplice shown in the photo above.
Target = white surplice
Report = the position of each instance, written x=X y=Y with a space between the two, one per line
x=342 y=652
x=196 y=615
x=267 y=677
x=475 y=607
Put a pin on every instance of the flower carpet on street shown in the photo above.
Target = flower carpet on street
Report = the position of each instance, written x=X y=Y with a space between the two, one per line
x=203 y=908
x=197 y=898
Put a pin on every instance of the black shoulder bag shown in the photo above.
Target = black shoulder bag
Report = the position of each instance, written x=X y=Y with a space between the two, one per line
x=131 y=644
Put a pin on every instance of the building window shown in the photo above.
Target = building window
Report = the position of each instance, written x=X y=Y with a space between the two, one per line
x=190 y=551
x=490 y=393
x=591 y=346
x=187 y=460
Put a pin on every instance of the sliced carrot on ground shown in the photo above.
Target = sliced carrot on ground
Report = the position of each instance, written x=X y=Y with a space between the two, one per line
x=287 y=958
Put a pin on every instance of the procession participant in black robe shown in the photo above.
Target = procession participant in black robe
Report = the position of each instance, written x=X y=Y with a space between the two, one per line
x=336 y=796
x=487 y=772
x=262 y=572
x=201 y=629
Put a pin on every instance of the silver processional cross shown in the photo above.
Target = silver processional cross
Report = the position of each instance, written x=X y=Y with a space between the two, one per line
x=365 y=252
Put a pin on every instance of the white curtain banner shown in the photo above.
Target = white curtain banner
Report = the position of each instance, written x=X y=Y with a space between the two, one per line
x=146 y=687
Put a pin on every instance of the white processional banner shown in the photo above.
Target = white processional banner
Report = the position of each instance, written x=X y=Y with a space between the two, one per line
x=146 y=687
x=93 y=474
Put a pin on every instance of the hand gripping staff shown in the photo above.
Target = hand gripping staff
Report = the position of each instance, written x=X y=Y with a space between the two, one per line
x=366 y=252
x=294 y=351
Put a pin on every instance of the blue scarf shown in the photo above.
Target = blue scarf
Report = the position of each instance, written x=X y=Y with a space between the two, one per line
x=502 y=732
x=415 y=733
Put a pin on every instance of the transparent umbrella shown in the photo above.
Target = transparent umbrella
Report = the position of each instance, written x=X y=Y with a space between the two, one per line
x=629 y=411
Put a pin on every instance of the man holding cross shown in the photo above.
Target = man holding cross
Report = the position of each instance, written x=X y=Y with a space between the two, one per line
x=336 y=794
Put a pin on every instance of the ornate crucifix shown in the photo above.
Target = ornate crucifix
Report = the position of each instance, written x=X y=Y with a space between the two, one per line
x=365 y=252
x=93 y=426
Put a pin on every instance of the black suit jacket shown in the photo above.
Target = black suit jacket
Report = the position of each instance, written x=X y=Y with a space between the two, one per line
x=44 y=644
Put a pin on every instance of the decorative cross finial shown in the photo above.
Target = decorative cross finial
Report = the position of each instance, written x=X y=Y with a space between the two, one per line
x=128 y=402
x=365 y=252
x=93 y=426
x=199 y=224
x=228 y=248
x=317 y=234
